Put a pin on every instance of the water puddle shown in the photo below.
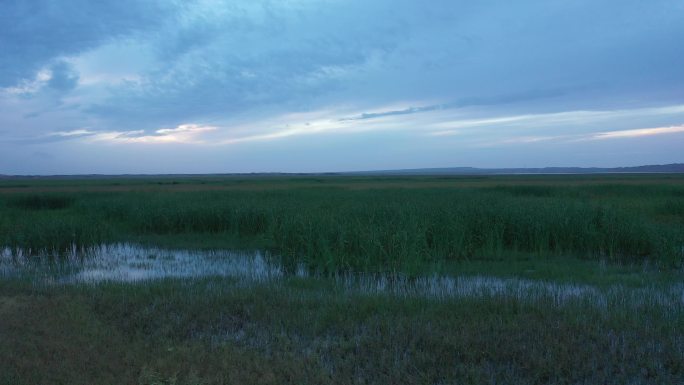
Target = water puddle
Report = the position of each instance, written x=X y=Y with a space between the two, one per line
x=132 y=263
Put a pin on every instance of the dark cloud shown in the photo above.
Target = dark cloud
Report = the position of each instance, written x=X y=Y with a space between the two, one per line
x=63 y=77
x=34 y=32
x=232 y=57
x=467 y=102
x=252 y=56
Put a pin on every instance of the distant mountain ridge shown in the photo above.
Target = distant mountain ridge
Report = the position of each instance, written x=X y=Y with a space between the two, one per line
x=661 y=168
x=673 y=168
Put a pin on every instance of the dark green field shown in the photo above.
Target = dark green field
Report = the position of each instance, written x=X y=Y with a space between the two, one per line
x=590 y=270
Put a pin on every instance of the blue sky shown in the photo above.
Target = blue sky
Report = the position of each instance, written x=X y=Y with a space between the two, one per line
x=212 y=86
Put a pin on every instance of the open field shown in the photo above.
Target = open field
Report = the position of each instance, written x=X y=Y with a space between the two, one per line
x=419 y=280
x=361 y=224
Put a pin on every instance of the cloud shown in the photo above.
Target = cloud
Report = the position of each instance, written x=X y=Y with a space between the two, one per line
x=454 y=73
x=524 y=128
x=63 y=77
x=637 y=133
x=466 y=102
x=578 y=138
x=28 y=86
x=202 y=59
x=405 y=111
x=324 y=126
x=184 y=134
x=586 y=119
x=72 y=133
x=39 y=31
x=233 y=57
x=508 y=130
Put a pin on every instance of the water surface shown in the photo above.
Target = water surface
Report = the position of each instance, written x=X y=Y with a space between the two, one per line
x=137 y=264
x=131 y=263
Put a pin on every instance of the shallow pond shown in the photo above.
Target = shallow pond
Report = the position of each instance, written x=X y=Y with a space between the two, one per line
x=134 y=263
x=130 y=263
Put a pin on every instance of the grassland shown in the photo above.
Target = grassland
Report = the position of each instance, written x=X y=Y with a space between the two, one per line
x=362 y=224
x=587 y=277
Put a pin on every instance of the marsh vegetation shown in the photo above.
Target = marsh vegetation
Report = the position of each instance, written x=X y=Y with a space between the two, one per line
x=365 y=224
x=424 y=280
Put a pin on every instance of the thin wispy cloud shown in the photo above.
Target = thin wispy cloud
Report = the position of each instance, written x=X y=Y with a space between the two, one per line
x=183 y=134
x=73 y=133
x=637 y=133
x=598 y=136
x=524 y=128
x=595 y=120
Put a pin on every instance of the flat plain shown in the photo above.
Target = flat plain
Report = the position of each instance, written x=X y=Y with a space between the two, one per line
x=529 y=279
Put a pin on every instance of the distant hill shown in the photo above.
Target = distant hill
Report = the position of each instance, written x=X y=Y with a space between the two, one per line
x=664 y=168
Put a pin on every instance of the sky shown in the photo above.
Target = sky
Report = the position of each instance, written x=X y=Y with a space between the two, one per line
x=212 y=86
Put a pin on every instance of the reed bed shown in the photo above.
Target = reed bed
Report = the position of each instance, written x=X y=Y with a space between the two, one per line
x=386 y=229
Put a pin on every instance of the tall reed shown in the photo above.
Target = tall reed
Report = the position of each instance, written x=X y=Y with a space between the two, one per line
x=333 y=229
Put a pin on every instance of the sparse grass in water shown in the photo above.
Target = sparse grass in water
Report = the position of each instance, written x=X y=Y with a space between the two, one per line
x=312 y=331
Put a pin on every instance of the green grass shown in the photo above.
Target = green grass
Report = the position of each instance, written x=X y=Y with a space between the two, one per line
x=394 y=224
x=617 y=238
x=308 y=331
